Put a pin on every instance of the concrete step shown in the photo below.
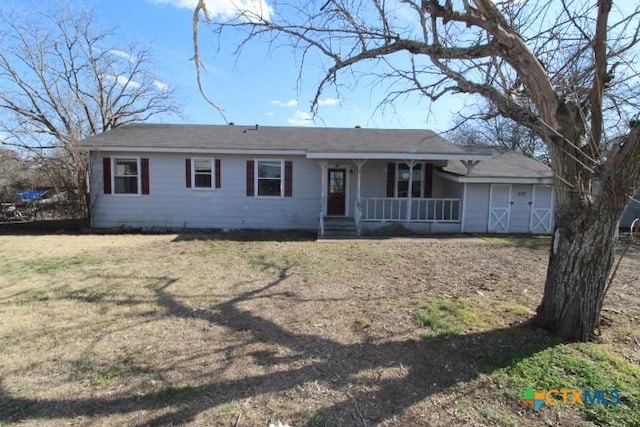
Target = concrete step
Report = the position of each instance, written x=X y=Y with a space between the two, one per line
x=339 y=227
x=339 y=220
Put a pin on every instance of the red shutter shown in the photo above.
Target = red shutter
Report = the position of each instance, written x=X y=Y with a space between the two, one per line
x=106 y=174
x=217 y=167
x=188 y=172
x=428 y=180
x=391 y=179
x=144 y=165
x=250 y=177
x=288 y=178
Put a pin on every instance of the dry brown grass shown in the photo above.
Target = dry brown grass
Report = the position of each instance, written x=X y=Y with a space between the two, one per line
x=161 y=330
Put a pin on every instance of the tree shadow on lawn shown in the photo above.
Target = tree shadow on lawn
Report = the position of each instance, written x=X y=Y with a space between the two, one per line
x=432 y=365
x=246 y=235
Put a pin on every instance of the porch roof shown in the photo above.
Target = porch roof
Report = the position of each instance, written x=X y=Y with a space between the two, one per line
x=503 y=166
x=314 y=143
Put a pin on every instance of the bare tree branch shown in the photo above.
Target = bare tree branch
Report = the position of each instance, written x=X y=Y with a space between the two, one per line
x=202 y=7
x=62 y=79
x=543 y=64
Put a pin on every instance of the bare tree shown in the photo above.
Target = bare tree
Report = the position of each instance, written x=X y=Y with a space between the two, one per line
x=547 y=65
x=490 y=129
x=15 y=173
x=62 y=79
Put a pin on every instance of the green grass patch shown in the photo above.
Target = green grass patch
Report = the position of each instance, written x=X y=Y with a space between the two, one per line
x=589 y=366
x=40 y=294
x=260 y=259
x=51 y=266
x=102 y=375
x=457 y=315
x=59 y=292
x=361 y=323
x=446 y=316
x=533 y=242
x=228 y=413
x=495 y=417
x=513 y=307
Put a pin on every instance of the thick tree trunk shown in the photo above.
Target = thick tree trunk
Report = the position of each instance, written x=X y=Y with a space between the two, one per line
x=580 y=265
x=583 y=245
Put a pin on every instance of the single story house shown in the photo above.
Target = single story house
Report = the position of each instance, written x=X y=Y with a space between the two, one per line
x=350 y=180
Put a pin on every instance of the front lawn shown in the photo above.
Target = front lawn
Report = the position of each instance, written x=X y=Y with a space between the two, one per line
x=233 y=331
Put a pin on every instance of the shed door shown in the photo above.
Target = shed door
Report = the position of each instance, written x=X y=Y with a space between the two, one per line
x=499 y=208
x=541 y=210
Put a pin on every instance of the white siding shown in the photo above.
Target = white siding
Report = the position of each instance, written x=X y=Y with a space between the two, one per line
x=439 y=187
x=374 y=179
x=477 y=208
x=171 y=205
x=449 y=189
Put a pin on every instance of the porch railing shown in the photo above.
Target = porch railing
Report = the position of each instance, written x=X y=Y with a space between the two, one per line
x=421 y=210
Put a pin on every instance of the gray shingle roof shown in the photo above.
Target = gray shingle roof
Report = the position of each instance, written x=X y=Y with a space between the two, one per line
x=318 y=140
x=308 y=139
x=503 y=164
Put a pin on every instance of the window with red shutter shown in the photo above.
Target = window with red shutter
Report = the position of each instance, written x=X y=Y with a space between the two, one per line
x=144 y=166
x=218 y=173
x=187 y=173
x=250 y=177
x=127 y=176
x=106 y=175
x=288 y=178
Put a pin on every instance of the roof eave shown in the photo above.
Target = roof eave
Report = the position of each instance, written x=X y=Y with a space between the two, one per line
x=497 y=179
x=310 y=155
x=395 y=156
x=280 y=152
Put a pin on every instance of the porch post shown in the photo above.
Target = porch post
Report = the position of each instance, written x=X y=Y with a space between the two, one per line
x=359 y=164
x=323 y=194
x=411 y=164
x=464 y=208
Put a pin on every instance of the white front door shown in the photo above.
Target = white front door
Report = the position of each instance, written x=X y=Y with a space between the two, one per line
x=499 y=208
x=541 y=210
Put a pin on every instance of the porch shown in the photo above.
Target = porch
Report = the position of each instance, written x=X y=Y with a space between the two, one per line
x=374 y=194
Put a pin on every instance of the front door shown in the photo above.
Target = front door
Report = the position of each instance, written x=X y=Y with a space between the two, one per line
x=337 y=192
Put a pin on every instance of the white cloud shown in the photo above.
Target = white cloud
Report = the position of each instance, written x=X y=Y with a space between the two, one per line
x=329 y=101
x=185 y=4
x=300 y=118
x=253 y=10
x=123 y=81
x=122 y=54
x=161 y=86
x=289 y=103
x=270 y=114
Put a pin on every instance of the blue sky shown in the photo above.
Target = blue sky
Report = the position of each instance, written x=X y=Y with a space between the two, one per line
x=260 y=86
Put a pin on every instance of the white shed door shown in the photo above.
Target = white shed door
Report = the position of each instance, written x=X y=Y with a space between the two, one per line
x=499 y=208
x=542 y=209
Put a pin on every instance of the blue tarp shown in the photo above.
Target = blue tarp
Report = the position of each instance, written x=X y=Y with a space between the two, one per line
x=32 y=195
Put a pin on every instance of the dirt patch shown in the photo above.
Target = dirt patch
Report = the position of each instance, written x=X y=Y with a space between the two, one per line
x=167 y=329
